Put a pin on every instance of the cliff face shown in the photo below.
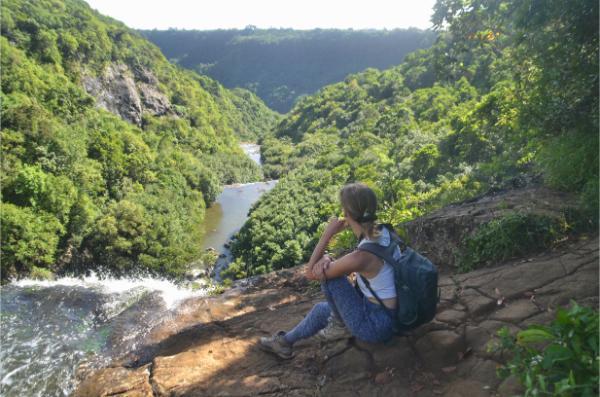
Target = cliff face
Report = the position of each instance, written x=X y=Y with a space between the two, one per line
x=126 y=93
x=209 y=348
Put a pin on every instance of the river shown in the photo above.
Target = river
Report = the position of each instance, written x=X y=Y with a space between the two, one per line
x=228 y=213
x=49 y=328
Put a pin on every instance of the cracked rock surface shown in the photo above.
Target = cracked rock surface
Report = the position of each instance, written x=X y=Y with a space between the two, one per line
x=210 y=347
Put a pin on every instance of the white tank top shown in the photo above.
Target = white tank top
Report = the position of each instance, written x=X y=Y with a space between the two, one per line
x=383 y=282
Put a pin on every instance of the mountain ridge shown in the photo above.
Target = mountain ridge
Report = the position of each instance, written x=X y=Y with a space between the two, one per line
x=282 y=65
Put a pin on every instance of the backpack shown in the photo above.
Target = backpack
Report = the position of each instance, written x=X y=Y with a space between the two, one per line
x=416 y=281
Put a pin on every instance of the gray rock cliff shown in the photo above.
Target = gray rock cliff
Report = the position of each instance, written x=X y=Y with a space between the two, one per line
x=126 y=93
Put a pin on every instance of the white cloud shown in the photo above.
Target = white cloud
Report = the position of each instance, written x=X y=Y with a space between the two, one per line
x=298 y=14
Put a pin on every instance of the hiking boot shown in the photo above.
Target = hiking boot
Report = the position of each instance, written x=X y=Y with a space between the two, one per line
x=334 y=330
x=277 y=345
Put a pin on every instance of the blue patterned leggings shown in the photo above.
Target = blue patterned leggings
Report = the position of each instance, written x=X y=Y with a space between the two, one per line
x=367 y=321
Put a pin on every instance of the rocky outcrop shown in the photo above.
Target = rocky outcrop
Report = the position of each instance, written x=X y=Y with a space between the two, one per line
x=209 y=348
x=126 y=93
x=439 y=235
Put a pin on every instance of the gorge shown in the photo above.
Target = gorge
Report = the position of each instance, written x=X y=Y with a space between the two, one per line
x=120 y=169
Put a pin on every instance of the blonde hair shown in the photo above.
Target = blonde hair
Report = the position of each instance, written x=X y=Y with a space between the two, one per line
x=360 y=203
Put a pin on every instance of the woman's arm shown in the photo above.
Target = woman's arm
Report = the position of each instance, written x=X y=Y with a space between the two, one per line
x=334 y=226
x=325 y=268
x=316 y=271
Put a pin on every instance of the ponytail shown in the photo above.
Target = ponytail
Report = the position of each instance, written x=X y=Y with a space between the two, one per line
x=360 y=203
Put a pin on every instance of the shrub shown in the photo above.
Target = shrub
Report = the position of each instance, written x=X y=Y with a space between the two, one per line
x=560 y=359
x=235 y=270
x=570 y=162
x=39 y=273
x=507 y=237
x=209 y=258
x=220 y=288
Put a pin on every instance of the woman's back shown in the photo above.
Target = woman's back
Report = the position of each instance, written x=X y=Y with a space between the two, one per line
x=379 y=273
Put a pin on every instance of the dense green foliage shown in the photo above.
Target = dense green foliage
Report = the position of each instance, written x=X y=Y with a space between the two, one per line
x=247 y=115
x=277 y=239
x=508 y=92
x=81 y=186
x=509 y=236
x=281 y=65
x=561 y=359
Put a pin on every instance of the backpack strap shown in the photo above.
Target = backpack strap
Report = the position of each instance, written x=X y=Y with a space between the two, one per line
x=384 y=253
x=388 y=310
x=394 y=236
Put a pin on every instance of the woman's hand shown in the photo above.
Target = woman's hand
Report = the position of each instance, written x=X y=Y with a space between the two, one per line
x=317 y=271
x=335 y=226
x=320 y=267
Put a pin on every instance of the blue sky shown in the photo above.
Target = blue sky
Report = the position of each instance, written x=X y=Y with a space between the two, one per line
x=298 y=14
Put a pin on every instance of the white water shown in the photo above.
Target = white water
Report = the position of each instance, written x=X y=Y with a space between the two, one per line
x=170 y=292
x=48 y=328
x=252 y=150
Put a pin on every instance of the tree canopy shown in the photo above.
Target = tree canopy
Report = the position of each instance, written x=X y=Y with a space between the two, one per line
x=83 y=187
x=507 y=94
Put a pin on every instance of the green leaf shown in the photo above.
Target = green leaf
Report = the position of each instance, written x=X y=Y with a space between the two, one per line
x=533 y=336
x=553 y=354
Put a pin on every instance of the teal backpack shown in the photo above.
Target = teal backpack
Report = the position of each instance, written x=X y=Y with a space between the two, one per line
x=416 y=280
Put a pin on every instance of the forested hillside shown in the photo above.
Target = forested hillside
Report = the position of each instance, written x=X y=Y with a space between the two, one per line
x=508 y=95
x=281 y=65
x=109 y=153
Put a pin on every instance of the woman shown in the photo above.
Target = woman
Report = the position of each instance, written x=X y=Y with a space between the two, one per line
x=346 y=308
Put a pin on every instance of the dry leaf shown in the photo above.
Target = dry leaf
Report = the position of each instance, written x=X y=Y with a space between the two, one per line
x=464 y=354
x=383 y=377
x=415 y=387
x=448 y=370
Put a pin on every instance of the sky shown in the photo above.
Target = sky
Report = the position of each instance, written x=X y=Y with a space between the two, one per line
x=297 y=14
